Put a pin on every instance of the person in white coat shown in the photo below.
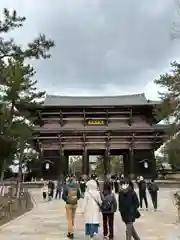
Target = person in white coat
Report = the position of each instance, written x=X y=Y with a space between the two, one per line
x=91 y=208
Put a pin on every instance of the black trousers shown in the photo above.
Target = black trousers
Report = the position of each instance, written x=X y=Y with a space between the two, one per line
x=142 y=196
x=58 y=193
x=108 y=224
x=154 y=199
x=44 y=195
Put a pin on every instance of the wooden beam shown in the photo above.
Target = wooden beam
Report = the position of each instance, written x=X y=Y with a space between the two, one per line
x=101 y=137
x=88 y=112
x=104 y=142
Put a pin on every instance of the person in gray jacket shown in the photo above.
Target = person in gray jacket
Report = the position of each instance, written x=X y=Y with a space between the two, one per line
x=108 y=208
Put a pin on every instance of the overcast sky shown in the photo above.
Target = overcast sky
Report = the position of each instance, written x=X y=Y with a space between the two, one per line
x=103 y=47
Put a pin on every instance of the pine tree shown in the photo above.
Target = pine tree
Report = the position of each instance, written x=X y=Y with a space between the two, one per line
x=18 y=89
x=170 y=110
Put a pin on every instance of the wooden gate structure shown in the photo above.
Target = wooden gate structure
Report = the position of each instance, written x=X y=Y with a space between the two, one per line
x=118 y=125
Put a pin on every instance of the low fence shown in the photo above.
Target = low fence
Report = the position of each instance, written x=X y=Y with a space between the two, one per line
x=12 y=207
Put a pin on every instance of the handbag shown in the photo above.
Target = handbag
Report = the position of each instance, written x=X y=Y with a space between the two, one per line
x=137 y=214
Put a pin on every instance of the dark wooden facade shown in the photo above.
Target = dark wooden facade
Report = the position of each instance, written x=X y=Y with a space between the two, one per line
x=122 y=125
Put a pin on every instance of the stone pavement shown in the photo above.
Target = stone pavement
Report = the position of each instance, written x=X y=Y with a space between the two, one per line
x=47 y=221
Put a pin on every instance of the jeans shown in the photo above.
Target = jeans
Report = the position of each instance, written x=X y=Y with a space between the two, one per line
x=70 y=214
x=131 y=232
x=108 y=223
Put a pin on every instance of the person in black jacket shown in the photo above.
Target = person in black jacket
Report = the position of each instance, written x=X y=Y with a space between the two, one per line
x=142 y=191
x=82 y=187
x=109 y=207
x=50 y=190
x=128 y=207
x=153 y=191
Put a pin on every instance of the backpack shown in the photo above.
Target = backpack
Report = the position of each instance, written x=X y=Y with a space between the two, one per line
x=107 y=203
x=72 y=196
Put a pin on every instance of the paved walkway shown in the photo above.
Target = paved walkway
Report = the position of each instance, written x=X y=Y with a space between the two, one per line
x=47 y=222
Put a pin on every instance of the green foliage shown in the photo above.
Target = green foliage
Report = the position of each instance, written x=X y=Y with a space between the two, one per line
x=116 y=165
x=75 y=164
x=170 y=96
x=18 y=91
x=170 y=111
x=172 y=151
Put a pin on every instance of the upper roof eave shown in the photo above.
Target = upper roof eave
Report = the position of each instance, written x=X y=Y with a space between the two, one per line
x=98 y=101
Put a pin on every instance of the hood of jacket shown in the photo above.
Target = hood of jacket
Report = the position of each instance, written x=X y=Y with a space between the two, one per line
x=91 y=185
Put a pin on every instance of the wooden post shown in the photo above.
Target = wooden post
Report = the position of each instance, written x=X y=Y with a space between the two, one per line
x=84 y=117
x=85 y=162
x=131 y=159
x=64 y=165
x=41 y=158
x=85 y=157
x=107 y=165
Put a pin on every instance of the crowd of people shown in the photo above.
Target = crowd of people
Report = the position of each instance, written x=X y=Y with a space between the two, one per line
x=102 y=202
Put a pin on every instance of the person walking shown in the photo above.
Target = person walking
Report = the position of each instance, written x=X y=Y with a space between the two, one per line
x=91 y=208
x=153 y=191
x=50 y=190
x=142 y=192
x=58 y=189
x=44 y=190
x=116 y=184
x=71 y=195
x=82 y=187
x=128 y=207
x=108 y=208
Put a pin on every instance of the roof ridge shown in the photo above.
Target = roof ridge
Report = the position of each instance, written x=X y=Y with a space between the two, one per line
x=105 y=96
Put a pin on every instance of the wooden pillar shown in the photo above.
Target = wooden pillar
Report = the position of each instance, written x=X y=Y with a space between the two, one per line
x=65 y=160
x=126 y=163
x=107 y=165
x=61 y=118
x=85 y=162
x=153 y=165
x=63 y=165
x=130 y=117
x=131 y=158
x=106 y=162
x=41 y=160
x=131 y=163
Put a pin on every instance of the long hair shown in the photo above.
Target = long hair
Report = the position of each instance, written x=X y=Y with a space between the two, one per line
x=107 y=188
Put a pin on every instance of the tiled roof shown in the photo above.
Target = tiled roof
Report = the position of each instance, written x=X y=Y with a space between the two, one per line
x=124 y=100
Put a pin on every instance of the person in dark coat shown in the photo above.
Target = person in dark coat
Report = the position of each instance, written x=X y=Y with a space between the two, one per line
x=128 y=207
x=109 y=207
x=142 y=192
x=116 y=185
x=82 y=187
x=50 y=189
x=153 y=191
x=58 y=189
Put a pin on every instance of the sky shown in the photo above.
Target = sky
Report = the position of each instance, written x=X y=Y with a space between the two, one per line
x=103 y=47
